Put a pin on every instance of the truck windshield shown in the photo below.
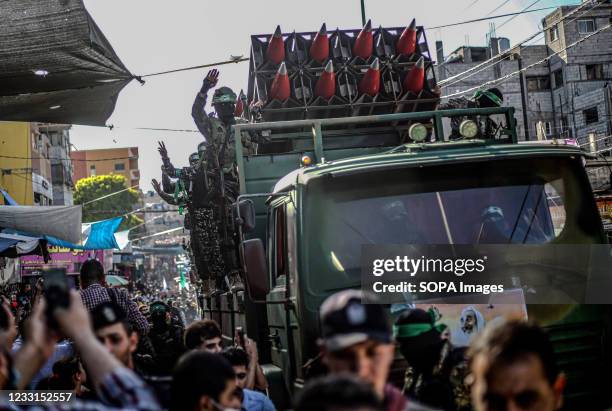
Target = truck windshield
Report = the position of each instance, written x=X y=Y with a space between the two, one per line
x=521 y=201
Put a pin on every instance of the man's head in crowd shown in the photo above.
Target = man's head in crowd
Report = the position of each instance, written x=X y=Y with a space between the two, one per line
x=114 y=332
x=239 y=360
x=160 y=315
x=338 y=393
x=419 y=340
x=204 y=335
x=202 y=381
x=513 y=368
x=92 y=272
x=357 y=338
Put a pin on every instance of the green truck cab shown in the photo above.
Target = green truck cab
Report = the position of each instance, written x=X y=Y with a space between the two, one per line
x=319 y=189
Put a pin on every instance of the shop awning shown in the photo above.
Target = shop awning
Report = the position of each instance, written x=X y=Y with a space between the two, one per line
x=63 y=222
x=56 y=65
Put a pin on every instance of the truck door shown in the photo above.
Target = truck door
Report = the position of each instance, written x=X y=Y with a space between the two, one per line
x=282 y=341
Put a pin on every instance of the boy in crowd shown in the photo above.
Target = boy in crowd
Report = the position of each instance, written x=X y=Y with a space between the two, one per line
x=252 y=400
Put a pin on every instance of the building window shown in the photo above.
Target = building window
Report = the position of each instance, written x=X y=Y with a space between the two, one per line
x=558 y=78
x=119 y=166
x=590 y=115
x=554 y=33
x=538 y=83
x=545 y=128
x=594 y=71
x=563 y=124
x=586 y=26
x=92 y=170
x=478 y=55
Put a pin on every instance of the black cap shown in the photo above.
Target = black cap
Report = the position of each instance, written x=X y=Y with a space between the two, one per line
x=345 y=321
x=106 y=314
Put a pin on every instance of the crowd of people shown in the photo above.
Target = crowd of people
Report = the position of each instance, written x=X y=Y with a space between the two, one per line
x=111 y=355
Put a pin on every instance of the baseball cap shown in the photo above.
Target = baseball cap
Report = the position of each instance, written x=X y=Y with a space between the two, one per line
x=345 y=321
x=107 y=313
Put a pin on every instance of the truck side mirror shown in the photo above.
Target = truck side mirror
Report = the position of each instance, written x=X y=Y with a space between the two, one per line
x=256 y=268
x=247 y=215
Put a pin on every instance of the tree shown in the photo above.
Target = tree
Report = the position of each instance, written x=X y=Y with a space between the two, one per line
x=92 y=188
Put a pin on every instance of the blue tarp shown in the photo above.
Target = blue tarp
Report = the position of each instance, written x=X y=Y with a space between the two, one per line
x=101 y=237
x=8 y=200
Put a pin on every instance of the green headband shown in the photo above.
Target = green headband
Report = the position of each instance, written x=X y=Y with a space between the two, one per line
x=414 y=330
x=224 y=98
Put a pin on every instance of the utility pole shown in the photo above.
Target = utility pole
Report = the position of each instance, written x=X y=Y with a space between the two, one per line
x=363 y=18
x=523 y=99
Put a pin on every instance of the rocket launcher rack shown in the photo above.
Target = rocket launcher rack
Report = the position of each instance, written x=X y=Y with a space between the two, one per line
x=347 y=100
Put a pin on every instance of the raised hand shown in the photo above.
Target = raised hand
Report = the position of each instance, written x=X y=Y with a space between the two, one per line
x=211 y=79
x=162 y=149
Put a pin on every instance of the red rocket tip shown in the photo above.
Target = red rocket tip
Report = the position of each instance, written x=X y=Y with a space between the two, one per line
x=319 y=49
x=326 y=84
x=276 y=47
x=415 y=79
x=323 y=30
x=364 y=42
x=406 y=44
x=375 y=64
x=280 y=89
x=420 y=63
x=370 y=83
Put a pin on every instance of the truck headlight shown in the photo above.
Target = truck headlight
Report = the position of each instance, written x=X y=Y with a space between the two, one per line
x=468 y=128
x=417 y=132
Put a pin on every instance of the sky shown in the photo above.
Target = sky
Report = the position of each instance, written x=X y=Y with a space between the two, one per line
x=154 y=35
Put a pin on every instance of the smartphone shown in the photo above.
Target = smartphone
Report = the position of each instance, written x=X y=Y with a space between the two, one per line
x=240 y=334
x=56 y=291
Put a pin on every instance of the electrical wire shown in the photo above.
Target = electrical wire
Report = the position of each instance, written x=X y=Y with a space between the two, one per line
x=544 y=60
x=463 y=75
x=109 y=195
x=499 y=7
x=70 y=159
x=513 y=17
x=157 y=234
x=499 y=16
x=220 y=63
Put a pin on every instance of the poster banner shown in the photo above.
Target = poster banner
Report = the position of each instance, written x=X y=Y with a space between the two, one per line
x=60 y=257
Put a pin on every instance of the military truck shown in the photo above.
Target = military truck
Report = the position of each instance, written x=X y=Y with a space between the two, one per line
x=305 y=211
x=354 y=162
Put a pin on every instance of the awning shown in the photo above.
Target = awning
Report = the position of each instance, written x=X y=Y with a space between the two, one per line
x=16 y=245
x=63 y=222
x=97 y=236
x=56 y=65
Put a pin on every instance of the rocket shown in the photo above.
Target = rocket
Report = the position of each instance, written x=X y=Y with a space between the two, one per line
x=370 y=83
x=365 y=42
x=319 y=50
x=406 y=44
x=276 y=47
x=415 y=79
x=326 y=85
x=280 y=89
